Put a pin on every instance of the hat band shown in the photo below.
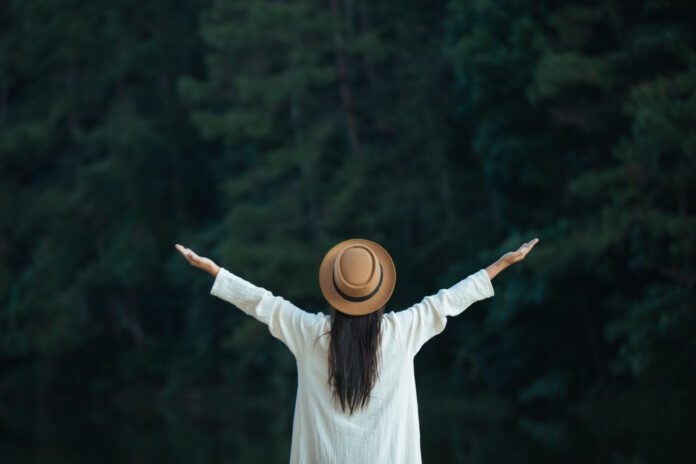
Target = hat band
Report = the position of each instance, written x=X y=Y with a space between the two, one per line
x=361 y=298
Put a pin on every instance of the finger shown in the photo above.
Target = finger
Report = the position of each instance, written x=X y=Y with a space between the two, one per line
x=195 y=259
x=190 y=255
x=183 y=252
x=529 y=245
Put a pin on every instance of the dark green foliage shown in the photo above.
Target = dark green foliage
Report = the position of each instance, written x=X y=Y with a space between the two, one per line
x=262 y=132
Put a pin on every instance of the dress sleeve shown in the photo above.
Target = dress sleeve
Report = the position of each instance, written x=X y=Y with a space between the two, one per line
x=424 y=320
x=285 y=321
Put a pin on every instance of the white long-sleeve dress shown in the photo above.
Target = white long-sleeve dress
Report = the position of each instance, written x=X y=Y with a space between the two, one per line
x=387 y=430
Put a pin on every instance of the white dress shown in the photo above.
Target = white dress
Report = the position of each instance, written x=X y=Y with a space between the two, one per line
x=387 y=430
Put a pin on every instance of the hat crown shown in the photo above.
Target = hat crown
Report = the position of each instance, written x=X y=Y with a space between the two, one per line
x=357 y=270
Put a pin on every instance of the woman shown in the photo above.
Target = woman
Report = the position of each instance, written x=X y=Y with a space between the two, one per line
x=356 y=396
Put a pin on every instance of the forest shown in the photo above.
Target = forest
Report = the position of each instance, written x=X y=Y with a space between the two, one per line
x=261 y=132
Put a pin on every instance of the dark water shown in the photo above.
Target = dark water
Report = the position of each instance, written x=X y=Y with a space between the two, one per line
x=480 y=432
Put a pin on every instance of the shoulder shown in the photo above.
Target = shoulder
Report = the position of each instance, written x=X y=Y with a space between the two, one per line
x=316 y=323
x=315 y=327
x=392 y=320
x=394 y=326
x=396 y=318
x=322 y=319
x=390 y=317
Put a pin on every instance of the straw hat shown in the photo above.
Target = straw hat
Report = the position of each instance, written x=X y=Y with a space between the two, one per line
x=357 y=276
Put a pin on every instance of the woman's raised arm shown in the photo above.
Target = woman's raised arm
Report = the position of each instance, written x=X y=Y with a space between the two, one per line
x=424 y=320
x=285 y=321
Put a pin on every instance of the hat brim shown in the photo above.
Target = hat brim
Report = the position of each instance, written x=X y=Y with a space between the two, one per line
x=358 y=308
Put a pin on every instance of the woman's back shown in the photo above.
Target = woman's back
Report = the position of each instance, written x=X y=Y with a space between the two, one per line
x=386 y=430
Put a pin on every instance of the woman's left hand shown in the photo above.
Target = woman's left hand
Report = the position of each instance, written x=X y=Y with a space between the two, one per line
x=200 y=262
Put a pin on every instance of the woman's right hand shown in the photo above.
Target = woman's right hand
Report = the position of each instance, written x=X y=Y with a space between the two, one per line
x=200 y=262
x=518 y=255
x=510 y=258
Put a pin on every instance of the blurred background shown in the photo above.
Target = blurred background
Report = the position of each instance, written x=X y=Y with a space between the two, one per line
x=260 y=133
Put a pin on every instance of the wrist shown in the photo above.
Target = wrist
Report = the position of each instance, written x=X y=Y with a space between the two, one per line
x=213 y=269
x=495 y=268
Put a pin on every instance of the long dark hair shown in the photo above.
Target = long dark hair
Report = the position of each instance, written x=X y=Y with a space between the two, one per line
x=354 y=357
